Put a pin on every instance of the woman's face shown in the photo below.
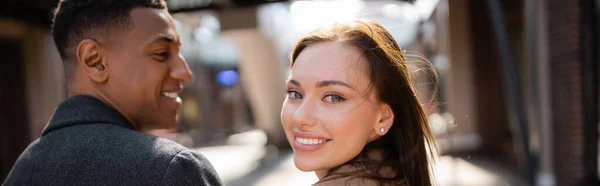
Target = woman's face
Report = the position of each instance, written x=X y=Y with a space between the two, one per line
x=329 y=115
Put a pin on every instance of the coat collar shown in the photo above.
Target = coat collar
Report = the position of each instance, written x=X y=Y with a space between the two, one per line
x=83 y=109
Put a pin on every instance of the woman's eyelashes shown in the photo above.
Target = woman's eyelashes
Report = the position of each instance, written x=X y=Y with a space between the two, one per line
x=329 y=97
x=292 y=94
x=333 y=98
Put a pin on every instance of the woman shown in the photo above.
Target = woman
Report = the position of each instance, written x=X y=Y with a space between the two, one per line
x=352 y=114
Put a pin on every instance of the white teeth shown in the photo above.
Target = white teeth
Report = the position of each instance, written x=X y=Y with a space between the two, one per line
x=170 y=94
x=309 y=141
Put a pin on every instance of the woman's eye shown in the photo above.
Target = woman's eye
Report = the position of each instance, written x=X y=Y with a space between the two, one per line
x=333 y=98
x=294 y=94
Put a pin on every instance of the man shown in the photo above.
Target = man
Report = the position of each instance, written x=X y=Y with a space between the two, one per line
x=124 y=73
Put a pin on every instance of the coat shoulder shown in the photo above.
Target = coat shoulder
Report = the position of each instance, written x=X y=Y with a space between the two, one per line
x=100 y=153
x=190 y=168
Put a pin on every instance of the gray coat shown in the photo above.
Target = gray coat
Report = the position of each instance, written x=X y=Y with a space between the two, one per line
x=88 y=143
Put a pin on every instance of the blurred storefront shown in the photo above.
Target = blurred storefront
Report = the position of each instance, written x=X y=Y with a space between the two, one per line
x=31 y=76
x=530 y=72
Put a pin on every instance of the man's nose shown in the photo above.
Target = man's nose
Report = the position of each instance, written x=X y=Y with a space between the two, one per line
x=180 y=70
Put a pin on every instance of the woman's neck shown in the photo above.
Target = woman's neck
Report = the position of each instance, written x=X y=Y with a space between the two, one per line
x=321 y=173
x=346 y=168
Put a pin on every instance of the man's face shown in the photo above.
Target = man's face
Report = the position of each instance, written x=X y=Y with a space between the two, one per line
x=146 y=71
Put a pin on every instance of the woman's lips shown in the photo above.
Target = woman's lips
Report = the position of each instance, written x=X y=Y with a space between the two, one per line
x=305 y=141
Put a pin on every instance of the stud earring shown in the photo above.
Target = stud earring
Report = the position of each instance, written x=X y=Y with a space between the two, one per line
x=382 y=129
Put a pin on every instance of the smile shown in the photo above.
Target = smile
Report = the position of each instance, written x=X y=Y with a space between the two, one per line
x=310 y=141
x=172 y=95
x=307 y=141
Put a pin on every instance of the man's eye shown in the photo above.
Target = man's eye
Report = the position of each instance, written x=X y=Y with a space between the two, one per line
x=294 y=94
x=333 y=98
x=162 y=56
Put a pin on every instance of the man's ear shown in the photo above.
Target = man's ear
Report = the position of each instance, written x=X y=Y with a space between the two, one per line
x=91 y=59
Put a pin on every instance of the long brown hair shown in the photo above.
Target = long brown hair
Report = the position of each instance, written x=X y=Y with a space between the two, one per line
x=408 y=148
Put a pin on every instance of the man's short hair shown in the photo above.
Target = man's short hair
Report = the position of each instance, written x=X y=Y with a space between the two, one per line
x=76 y=20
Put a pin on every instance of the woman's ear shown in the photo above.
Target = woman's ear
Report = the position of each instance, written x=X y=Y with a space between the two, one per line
x=386 y=120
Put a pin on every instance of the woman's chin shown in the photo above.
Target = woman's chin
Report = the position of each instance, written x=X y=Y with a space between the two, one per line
x=305 y=165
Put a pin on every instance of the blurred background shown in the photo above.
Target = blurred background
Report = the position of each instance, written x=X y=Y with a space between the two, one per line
x=518 y=83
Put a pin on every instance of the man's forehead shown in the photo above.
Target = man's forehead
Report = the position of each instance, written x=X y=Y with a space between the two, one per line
x=152 y=24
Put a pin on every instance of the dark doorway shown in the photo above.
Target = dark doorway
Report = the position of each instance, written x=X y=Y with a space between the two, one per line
x=14 y=136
